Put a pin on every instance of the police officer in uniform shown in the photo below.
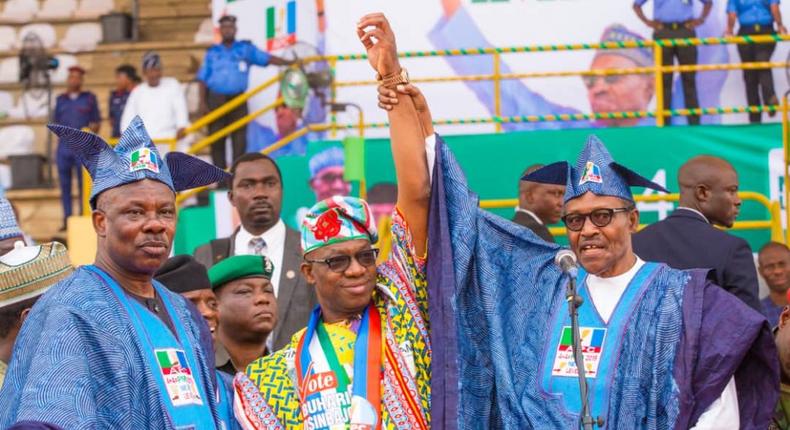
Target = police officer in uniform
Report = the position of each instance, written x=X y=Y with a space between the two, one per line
x=223 y=76
x=673 y=19
x=756 y=17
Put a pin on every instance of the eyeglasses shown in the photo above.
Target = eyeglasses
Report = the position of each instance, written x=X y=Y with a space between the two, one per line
x=590 y=80
x=340 y=263
x=330 y=178
x=599 y=218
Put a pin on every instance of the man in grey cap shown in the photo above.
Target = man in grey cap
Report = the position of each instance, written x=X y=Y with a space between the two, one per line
x=159 y=101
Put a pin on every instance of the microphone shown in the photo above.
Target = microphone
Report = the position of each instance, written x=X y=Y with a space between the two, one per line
x=566 y=261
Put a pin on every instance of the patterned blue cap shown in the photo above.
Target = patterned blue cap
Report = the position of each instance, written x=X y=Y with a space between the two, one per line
x=595 y=172
x=8 y=225
x=330 y=157
x=643 y=57
x=133 y=159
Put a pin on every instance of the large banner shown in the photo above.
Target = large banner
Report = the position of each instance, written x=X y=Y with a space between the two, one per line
x=329 y=25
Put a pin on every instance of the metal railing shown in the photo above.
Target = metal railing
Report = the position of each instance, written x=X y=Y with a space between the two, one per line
x=660 y=113
x=773 y=223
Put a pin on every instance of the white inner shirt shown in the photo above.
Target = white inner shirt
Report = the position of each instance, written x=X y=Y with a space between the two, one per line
x=723 y=413
x=274 y=250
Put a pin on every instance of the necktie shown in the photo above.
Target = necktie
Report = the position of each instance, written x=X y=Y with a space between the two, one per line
x=257 y=245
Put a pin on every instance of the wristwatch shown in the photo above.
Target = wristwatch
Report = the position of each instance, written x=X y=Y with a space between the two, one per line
x=394 y=79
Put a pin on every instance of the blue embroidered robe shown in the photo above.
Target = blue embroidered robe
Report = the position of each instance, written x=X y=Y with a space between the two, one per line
x=77 y=364
x=492 y=288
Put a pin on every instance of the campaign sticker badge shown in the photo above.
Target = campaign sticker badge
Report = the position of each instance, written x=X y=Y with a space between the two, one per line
x=592 y=173
x=143 y=159
x=592 y=340
x=178 y=377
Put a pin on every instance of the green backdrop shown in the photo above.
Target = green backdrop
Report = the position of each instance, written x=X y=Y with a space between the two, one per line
x=493 y=163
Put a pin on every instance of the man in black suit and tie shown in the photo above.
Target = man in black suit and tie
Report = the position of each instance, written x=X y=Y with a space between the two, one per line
x=688 y=239
x=256 y=191
x=538 y=205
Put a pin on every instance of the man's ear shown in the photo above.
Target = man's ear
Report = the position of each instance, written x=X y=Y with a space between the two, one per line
x=702 y=193
x=307 y=272
x=230 y=198
x=633 y=220
x=99 y=223
x=784 y=317
x=23 y=316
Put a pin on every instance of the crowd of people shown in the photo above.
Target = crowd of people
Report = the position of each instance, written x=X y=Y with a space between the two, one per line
x=463 y=322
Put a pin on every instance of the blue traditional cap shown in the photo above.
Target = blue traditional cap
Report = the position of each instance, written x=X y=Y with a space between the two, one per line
x=619 y=33
x=330 y=157
x=133 y=159
x=8 y=225
x=337 y=219
x=595 y=172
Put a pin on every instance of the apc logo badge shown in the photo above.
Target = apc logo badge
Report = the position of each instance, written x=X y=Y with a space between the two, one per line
x=281 y=30
x=143 y=159
x=592 y=173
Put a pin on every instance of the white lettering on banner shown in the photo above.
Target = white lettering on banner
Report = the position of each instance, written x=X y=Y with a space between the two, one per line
x=662 y=208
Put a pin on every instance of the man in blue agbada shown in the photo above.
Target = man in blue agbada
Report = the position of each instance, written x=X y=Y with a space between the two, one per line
x=109 y=347
x=663 y=348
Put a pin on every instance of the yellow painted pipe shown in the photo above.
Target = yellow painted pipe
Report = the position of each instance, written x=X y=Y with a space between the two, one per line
x=230 y=128
x=659 y=85
x=786 y=159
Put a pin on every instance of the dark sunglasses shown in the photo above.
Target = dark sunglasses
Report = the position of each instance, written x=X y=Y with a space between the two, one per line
x=340 y=263
x=599 y=218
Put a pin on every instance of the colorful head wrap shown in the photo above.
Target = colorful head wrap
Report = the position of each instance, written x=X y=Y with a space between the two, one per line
x=133 y=159
x=240 y=266
x=595 y=172
x=8 y=225
x=29 y=271
x=329 y=157
x=337 y=219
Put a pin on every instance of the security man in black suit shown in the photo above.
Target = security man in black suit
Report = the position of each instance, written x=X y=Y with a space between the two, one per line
x=538 y=205
x=256 y=191
x=687 y=238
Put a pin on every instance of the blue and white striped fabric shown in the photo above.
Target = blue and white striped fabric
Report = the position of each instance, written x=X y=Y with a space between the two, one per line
x=595 y=172
x=492 y=287
x=8 y=225
x=76 y=366
x=134 y=158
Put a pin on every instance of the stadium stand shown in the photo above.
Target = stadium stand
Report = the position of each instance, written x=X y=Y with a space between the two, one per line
x=56 y=9
x=71 y=29
x=45 y=32
x=19 y=10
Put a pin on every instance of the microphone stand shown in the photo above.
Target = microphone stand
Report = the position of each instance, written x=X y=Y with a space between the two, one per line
x=574 y=301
